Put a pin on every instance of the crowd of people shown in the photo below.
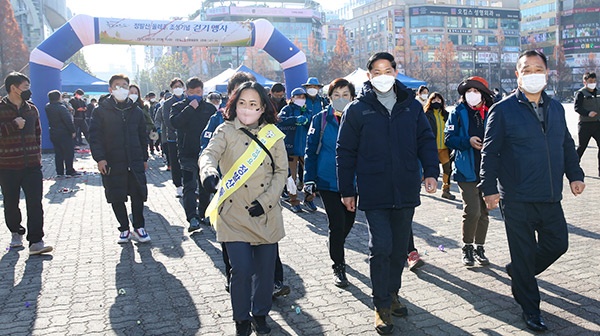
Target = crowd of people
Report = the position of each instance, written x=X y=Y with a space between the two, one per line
x=234 y=159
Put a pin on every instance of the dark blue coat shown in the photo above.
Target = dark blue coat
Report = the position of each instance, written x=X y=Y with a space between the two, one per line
x=215 y=120
x=527 y=160
x=295 y=135
x=383 y=151
x=457 y=138
x=320 y=167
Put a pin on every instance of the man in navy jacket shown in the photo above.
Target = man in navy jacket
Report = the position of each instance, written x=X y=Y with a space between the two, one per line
x=528 y=149
x=383 y=136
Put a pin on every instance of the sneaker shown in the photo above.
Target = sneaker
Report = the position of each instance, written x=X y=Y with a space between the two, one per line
x=447 y=195
x=179 y=192
x=397 y=308
x=194 y=225
x=140 y=235
x=260 y=326
x=205 y=221
x=243 y=328
x=124 y=237
x=285 y=196
x=168 y=168
x=39 y=248
x=17 y=240
x=467 y=255
x=480 y=256
x=279 y=289
x=383 y=321
x=296 y=208
x=74 y=173
x=414 y=261
x=339 y=275
x=310 y=206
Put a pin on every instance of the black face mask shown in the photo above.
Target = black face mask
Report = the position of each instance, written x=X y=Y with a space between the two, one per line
x=25 y=95
x=436 y=105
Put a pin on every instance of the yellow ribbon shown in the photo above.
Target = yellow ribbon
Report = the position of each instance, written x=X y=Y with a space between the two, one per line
x=242 y=169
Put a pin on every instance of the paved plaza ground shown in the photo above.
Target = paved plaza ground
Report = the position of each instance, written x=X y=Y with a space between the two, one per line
x=90 y=285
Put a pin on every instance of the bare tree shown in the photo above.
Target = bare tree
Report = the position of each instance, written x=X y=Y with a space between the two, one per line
x=447 y=69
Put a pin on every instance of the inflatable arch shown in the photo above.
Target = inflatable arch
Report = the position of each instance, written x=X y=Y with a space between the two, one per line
x=49 y=57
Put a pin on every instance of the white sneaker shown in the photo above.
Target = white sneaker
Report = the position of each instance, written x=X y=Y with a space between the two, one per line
x=179 y=192
x=17 y=240
x=141 y=235
x=39 y=248
x=124 y=237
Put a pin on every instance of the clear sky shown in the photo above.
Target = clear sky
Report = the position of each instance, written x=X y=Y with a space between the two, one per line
x=106 y=58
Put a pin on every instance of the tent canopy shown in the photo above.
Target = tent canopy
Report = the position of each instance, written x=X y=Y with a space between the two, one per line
x=219 y=82
x=73 y=78
x=359 y=76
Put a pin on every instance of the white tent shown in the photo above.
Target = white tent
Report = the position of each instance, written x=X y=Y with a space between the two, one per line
x=211 y=84
x=358 y=77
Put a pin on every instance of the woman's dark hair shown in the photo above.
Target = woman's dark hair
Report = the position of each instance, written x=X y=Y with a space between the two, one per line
x=339 y=83
x=422 y=88
x=139 y=101
x=432 y=96
x=269 y=116
x=237 y=79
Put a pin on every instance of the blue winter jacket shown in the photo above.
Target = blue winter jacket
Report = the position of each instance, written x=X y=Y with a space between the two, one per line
x=457 y=138
x=295 y=135
x=527 y=160
x=316 y=104
x=320 y=167
x=383 y=150
x=215 y=120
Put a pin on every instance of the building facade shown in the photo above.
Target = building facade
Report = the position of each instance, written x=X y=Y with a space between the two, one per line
x=39 y=18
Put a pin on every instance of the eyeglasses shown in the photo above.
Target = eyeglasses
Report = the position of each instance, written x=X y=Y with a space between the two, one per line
x=118 y=87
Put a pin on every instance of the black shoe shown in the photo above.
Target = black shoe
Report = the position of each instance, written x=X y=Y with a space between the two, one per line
x=339 y=275
x=534 y=322
x=260 y=326
x=480 y=256
x=279 y=289
x=74 y=173
x=194 y=225
x=243 y=328
x=468 y=259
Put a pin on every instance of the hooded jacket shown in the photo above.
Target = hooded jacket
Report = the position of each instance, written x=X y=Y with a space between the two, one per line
x=528 y=159
x=118 y=135
x=458 y=139
x=383 y=150
x=320 y=167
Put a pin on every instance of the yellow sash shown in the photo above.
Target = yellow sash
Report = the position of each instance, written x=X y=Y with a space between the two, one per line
x=242 y=169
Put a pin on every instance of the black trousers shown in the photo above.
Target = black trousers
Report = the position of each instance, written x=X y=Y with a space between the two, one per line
x=193 y=208
x=531 y=254
x=588 y=130
x=137 y=207
x=80 y=127
x=30 y=180
x=63 y=152
x=340 y=223
x=174 y=162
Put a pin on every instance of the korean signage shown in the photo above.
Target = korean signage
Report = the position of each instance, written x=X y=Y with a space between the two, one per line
x=260 y=12
x=176 y=32
x=457 y=11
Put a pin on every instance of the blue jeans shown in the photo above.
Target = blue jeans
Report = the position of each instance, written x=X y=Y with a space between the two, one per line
x=389 y=233
x=252 y=269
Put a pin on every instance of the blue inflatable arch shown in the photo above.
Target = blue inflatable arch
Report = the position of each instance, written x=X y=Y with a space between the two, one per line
x=49 y=57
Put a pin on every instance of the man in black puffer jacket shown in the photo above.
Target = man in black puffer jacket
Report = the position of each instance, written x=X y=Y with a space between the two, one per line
x=62 y=132
x=190 y=117
x=118 y=143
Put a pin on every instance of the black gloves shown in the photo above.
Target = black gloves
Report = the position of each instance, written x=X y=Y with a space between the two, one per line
x=210 y=183
x=256 y=209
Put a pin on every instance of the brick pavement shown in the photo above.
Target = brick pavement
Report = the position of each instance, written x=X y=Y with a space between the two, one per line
x=174 y=285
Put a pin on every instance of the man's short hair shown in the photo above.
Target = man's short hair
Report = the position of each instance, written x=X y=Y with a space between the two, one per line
x=151 y=94
x=194 y=82
x=175 y=81
x=16 y=79
x=531 y=53
x=380 y=56
x=589 y=75
x=117 y=77
x=93 y=100
x=237 y=79
x=278 y=87
x=54 y=96
x=79 y=92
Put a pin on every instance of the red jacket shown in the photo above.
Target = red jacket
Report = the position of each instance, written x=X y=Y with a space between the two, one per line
x=19 y=148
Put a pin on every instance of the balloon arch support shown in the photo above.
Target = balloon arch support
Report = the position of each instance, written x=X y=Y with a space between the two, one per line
x=49 y=57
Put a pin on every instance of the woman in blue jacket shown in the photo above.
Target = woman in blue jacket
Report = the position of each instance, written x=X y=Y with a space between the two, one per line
x=294 y=121
x=464 y=134
x=320 y=172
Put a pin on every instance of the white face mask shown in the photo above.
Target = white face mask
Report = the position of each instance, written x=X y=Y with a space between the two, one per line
x=133 y=97
x=591 y=86
x=300 y=102
x=120 y=94
x=473 y=98
x=533 y=83
x=178 y=91
x=312 y=92
x=152 y=100
x=339 y=104
x=383 y=83
x=424 y=96
x=248 y=116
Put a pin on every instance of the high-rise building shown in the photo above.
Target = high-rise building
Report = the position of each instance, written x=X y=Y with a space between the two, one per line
x=39 y=18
